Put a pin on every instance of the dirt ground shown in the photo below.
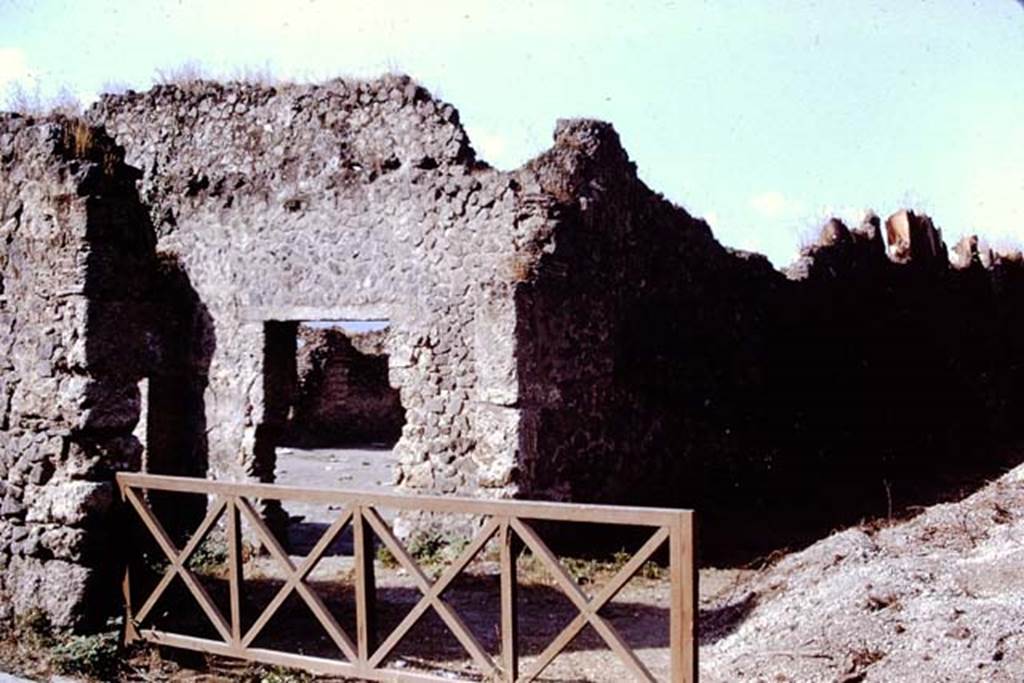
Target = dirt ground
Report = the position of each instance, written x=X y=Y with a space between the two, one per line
x=366 y=468
x=639 y=613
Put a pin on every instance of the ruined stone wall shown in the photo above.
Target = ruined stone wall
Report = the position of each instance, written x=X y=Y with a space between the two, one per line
x=894 y=376
x=342 y=396
x=559 y=331
x=74 y=320
x=658 y=367
x=345 y=200
x=641 y=336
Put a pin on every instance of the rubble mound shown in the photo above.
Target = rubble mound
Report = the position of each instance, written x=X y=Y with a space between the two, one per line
x=935 y=598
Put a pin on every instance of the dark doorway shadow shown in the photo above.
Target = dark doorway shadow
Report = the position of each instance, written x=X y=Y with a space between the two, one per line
x=176 y=433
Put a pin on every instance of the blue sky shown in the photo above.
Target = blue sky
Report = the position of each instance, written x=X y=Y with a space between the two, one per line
x=762 y=117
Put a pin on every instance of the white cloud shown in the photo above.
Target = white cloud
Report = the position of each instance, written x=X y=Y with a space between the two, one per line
x=774 y=204
x=14 y=67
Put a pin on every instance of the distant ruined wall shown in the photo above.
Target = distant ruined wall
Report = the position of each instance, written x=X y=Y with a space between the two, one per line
x=343 y=397
x=894 y=376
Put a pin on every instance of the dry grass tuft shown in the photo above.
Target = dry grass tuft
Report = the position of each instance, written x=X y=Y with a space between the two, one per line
x=183 y=74
x=190 y=73
x=254 y=75
x=33 y=103
x=78 y=138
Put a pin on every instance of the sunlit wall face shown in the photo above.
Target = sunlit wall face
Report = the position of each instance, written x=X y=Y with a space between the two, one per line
x=762 y=117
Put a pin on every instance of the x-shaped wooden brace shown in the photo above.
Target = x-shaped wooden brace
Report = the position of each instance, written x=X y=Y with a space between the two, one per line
x=297 y=579
x=588 y=608
x=432 y=593
x=178 y=561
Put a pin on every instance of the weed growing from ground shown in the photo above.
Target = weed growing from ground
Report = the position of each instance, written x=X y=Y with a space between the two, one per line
x=210 y=557
x=274 y=674
x=97 y=655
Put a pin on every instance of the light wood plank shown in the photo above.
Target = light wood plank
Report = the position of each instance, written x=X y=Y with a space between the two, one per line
x=684 y=602
x=575 y=512
x=558 y=572
x=188 y=578
x=607 y=593
x=181 y=558
x=620 y=647
x=554 y=648
x=235 y=571
x=153 y=524
x=508 y=554
x=316 y=665
x=130 y=633
x=366 y=587
x=629 y=570
x=588 y=608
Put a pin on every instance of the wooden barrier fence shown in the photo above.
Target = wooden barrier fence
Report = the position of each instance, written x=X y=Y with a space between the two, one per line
x=509 y=521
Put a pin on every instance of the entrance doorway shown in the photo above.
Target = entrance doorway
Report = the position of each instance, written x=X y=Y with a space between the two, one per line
x=335 y=417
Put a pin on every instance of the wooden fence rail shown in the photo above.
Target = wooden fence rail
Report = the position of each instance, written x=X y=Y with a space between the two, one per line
x=508 y=521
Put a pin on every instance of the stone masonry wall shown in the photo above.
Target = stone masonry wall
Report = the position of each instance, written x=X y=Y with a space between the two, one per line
x=559 y=331
x=345 y=200
x=658 y=367
x=639 y=337
x=74 y=275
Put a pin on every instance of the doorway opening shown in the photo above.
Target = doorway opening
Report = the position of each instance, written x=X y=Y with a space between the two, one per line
x=331 y=413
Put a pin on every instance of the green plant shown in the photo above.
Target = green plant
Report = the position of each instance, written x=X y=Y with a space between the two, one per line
x=590 y=570
x=273 y=674
x=387 y=558
x=97 y=655
x=209 y=558
x=426 y=548
x=33 y=628
x=652 y=570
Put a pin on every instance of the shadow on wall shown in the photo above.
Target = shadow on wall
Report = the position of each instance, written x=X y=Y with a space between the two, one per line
x=861 y=388
x=280 y=385
x=144 y=321
x=781 y=406
x=176 y=433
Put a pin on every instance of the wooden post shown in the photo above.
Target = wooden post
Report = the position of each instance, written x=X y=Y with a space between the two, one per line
x=684 y=604
x=366 y=587
x=130 y=633
x=509 y=616
x=235 y=571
